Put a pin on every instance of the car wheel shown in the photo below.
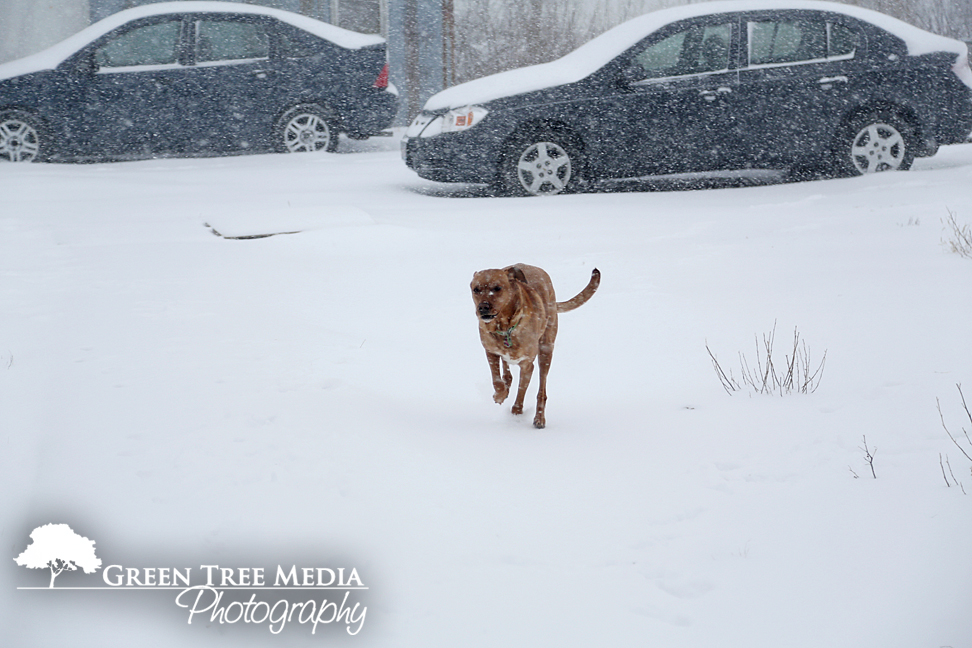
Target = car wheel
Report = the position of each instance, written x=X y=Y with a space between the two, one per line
x=875 y=142
x=307 y=129
x=541 y=164
x=22 y=138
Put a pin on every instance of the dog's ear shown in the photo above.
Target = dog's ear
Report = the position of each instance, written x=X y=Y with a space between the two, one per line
x=516 y=274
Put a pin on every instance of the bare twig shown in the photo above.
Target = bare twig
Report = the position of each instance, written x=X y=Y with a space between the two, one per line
x=953 y=475
x=947 y=483
x=942 y=417
x=961 y=395
x=728 y=382
x=869 y=457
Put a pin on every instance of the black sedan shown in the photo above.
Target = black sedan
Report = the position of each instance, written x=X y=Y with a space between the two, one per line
x=714 y=86
x=191 y=78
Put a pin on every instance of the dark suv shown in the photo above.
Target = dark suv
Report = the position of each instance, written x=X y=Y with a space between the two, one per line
x=712 y=86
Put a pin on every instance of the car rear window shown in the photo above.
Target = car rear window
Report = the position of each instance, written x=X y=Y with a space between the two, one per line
x=843 y=41
x=228 y=40
x=787 y=41
x=775 y=42
x=294 y=43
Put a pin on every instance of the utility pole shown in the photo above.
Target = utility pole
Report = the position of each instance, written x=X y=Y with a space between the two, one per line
x=420 y=34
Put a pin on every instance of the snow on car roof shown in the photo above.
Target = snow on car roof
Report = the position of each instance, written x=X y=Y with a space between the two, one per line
x=591 y=56
x=56 y=54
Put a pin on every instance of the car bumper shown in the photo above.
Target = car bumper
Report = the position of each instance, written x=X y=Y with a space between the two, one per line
x=452 y=157
x=377 y=114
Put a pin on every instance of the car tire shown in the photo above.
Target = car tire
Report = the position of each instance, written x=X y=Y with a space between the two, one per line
x=540 y=163
x=22 y=138
x=307 y=128
x=874 y=142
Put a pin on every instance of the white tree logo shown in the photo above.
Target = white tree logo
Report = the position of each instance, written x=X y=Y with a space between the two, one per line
x=58 y=547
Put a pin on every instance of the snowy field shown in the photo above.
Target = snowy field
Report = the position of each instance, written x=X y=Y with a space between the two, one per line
x=320 y=398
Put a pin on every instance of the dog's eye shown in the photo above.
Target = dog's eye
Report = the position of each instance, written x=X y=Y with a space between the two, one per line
x=477 y=290
x=496 y=289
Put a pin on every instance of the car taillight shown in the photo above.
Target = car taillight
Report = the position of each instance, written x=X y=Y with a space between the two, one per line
x=382 y=81
x=962 y=70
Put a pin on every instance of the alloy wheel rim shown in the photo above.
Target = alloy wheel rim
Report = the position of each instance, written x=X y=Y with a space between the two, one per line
x=18 y=141
x=544 y=169
x=878 y=147
x=306 y=133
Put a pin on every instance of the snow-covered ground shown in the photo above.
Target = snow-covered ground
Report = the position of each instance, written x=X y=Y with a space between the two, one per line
x=321 y=399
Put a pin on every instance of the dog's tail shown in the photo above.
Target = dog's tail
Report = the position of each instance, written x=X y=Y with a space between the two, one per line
x=581 y=298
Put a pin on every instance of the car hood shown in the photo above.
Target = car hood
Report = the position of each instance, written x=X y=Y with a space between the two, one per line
x=57 y=54
x=596 y=53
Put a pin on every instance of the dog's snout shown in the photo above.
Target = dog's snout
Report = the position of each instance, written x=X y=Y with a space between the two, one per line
x=484 y=308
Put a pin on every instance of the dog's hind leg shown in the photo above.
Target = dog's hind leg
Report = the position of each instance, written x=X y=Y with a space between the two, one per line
x=545 y=356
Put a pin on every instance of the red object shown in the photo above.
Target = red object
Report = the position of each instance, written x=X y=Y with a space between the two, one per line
x=382 y=81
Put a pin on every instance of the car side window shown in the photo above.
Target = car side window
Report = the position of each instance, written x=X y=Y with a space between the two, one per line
x=695 y=50
x=227 y=40
x=787 y=41
x=713 y=51
x=842 y=41
x=294 y=43
x=155 y=44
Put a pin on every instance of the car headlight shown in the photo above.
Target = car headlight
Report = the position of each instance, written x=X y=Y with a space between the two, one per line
x=456 y=120
x=418 y=124
x=460 y=119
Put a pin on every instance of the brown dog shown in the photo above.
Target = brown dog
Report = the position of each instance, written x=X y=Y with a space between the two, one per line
x=517 y=311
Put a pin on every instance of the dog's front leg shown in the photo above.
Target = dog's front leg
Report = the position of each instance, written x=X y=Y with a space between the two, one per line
x=501 y=383
x=526 y=372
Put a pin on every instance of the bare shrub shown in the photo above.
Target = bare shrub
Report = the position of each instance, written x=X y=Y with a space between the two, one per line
x=955 y=441
x=767 y=376
x=958 y=237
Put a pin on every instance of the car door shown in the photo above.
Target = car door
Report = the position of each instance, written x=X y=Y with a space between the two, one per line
x=800 y=75
x=135 y=96
x=671 y=112
x=232 y=59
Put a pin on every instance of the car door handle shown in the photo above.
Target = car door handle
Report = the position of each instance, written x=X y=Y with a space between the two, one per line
x=710 y=95
x=827 y=83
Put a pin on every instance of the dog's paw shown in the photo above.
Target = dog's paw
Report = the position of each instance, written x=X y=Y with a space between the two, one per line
x=517 y=409
x=539 y=422
x=500 y=396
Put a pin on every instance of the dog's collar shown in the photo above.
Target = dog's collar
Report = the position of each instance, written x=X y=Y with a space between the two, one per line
x=507 y=336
